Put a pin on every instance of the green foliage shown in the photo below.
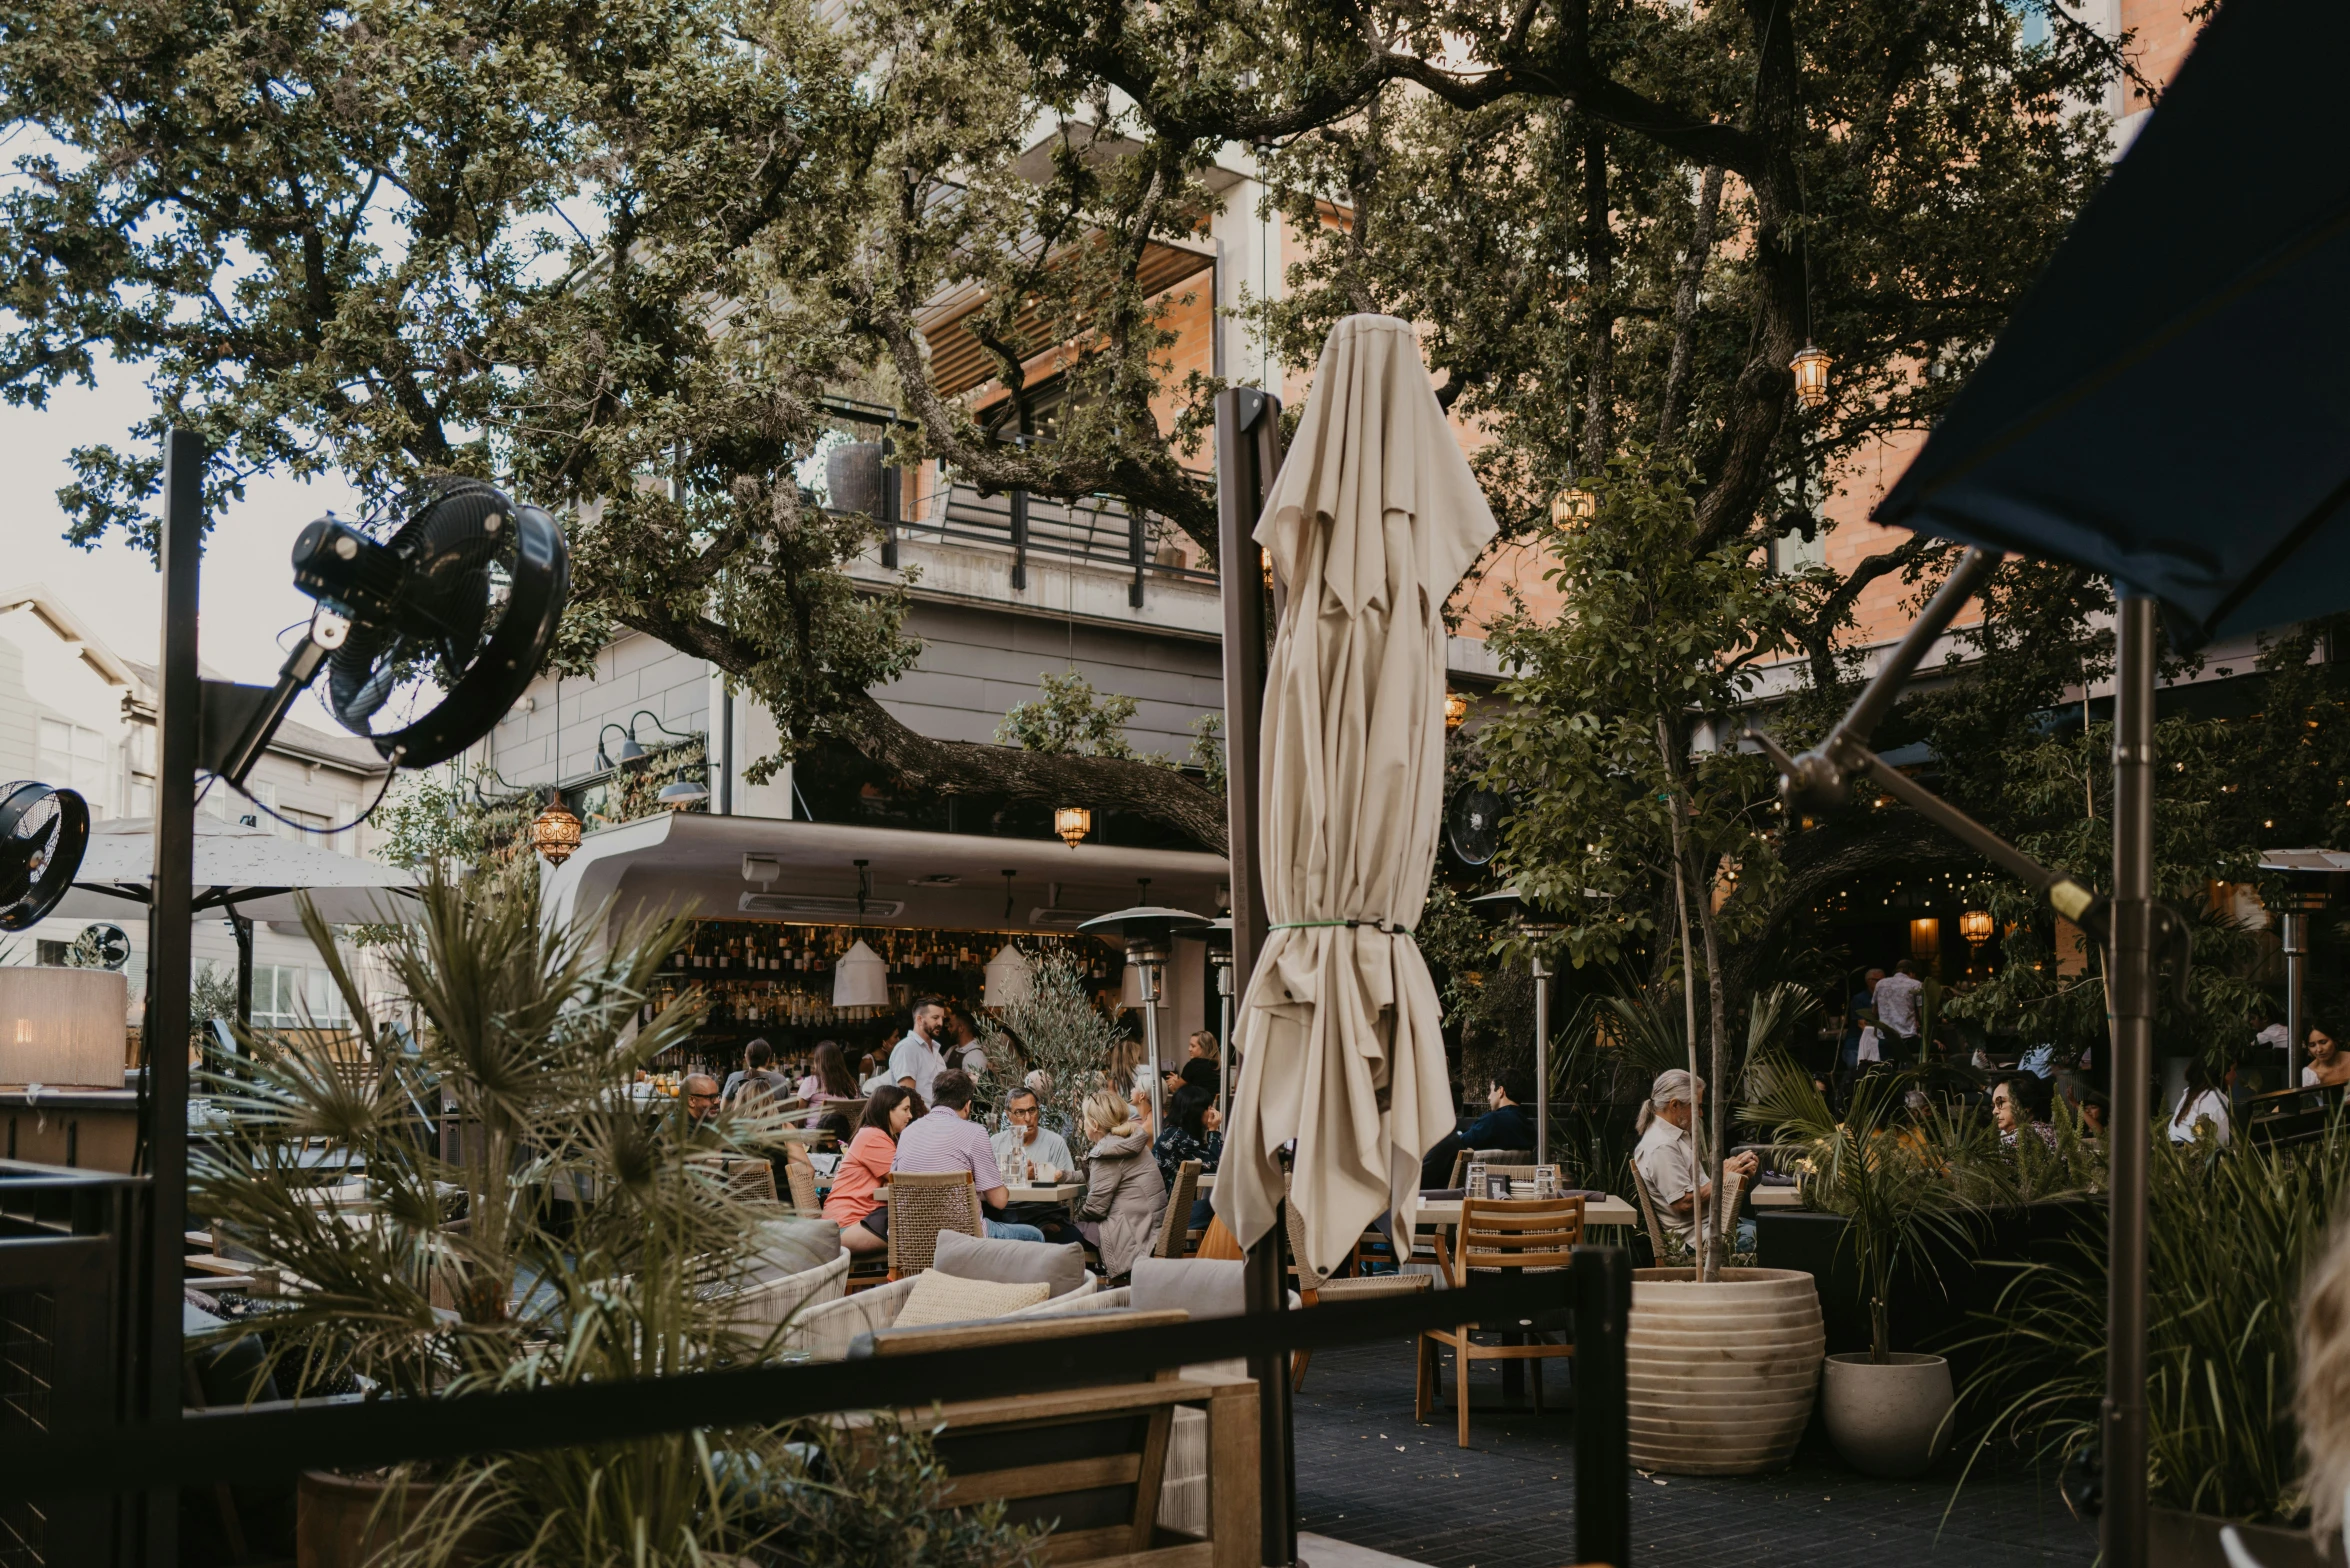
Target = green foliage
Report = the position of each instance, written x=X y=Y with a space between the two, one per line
x=1069 y=720
x=1057 y=1029
x=1884 y=1178
x=437 y=819
x=2231 y=1234
x=1207 y=750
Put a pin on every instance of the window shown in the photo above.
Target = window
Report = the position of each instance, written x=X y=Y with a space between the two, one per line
x=77 y=759
x=290 y=996
x=2033 y=33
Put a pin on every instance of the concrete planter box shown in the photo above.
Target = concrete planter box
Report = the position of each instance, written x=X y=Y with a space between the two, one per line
x=2184 y=1540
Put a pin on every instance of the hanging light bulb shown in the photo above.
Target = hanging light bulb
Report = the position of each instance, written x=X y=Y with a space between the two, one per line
x=1072 y=823
x=554 y=832
x=1573 y=507
x=1975 y=926
x=1811 y=369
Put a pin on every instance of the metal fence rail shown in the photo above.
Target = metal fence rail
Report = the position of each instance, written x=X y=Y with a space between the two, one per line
x=1101 y=530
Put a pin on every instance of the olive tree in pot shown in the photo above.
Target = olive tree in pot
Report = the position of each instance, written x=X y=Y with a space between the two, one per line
x=528 y=1221
x=1887 y=1411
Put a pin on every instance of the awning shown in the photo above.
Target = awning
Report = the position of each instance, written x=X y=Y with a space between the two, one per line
x=693 y=863
x=2167 y=404
x=959 y=362
x=248 y=869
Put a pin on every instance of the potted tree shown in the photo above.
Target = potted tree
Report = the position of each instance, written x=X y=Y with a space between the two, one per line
x=529 y=1218
x=1887 y=1411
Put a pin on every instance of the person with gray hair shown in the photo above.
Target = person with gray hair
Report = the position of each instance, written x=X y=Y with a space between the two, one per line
x=1667 y=1158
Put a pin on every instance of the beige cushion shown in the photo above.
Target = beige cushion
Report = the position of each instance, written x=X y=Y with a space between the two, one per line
x=1203 y=1287
x=1061 y=1268
x=940 y=1297
x=786 y=1247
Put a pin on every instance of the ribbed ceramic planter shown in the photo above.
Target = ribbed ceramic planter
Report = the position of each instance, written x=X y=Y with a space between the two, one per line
x=1890 y=1420
x=1722 y=1376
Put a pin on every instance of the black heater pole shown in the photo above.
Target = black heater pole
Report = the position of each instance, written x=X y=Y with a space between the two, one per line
x=165 y=1034
x=1248 y=454
x=2122 y=1522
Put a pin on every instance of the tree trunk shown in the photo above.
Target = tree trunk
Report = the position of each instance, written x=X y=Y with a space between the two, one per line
x=1701 y=249
x=1717 y=1126
x=1599 y=273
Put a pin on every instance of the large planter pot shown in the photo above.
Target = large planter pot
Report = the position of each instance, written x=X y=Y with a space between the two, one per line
x=335 y=1523
x=2184 y=1540
x=1890 y=1420
x=1721 y=1376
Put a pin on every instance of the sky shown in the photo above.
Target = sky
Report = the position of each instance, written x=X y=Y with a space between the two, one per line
x=249 y=598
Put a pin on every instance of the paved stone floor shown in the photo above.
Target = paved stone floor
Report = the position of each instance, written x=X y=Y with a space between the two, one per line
x=1366 y=1474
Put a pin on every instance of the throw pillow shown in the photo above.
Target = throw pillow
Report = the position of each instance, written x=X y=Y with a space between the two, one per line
x=939 y=1297
x=792 y=1247
x=1011 y=1262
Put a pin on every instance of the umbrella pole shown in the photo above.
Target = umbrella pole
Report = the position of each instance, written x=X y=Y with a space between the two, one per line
x=1248 y=453
x=164 y=1036
x=2123 y=1521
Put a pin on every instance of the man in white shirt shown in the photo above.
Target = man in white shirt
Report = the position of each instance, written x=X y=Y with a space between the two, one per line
x=917 y=1061
x=1667 y=1159
x=1896 y=997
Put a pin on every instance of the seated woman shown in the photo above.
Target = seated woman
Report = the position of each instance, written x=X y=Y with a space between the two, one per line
x=1124 y=1192
x=2329 y=1064
x=1193 y=1133
x=829 y=1077
x=865 y=1166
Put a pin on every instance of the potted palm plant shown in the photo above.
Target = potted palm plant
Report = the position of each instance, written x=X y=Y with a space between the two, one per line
x=528 y=1218
x=1886 y=1410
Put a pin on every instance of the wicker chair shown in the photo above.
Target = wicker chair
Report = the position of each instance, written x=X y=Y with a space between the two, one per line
x=802 y=1177
x=1175 y=1226
x=1528 y=1234
x=1496 y=1157
x=1656 y=1229
x=922 y=1205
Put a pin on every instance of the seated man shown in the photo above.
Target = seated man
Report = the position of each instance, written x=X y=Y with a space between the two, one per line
x=1027 y=1145
x=1667 y=1160
x=1506 y=1124
x=946 y=1140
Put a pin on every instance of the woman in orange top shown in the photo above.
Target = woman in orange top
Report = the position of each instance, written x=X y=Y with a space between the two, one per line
x=865 y=1167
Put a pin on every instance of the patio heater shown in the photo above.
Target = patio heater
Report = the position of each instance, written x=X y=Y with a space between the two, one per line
x=2309 y=877
x=1219 y=935
x=1508 y=905
x=1149 y=931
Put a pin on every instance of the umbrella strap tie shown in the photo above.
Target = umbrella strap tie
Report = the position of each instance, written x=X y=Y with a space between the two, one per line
x=1304 y=925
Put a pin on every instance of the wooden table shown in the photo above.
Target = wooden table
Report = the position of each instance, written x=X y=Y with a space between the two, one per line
x=1596 y=1211
x=1775 y=1197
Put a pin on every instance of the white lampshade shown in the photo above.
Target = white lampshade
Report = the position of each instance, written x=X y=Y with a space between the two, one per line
x=860 y=978
x=63 y=1026
x=1008 y=979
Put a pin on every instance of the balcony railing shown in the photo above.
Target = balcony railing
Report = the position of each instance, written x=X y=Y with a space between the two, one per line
x=1100 y=530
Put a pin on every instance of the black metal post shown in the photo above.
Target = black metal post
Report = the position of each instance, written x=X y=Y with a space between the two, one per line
x=1603 y=1415
x=1248 y=454
x=165 y=1033
x=892 y=501
x=242 y=929
x=2130 y=966
x=1137 y=541
x=1020 y=539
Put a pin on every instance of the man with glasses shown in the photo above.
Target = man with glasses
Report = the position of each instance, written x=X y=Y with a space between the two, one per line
x=1026 y=1141
x=701 y=1101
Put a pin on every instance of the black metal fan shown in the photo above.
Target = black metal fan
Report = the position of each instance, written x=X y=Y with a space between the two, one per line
x=1472 y=824
x=43 y=832
x=102 y=945
x=453 y=613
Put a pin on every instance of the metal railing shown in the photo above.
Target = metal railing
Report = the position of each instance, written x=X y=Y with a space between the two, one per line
x=1100 y=530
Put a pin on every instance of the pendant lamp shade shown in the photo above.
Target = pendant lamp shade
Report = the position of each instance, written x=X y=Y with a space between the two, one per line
x=860 y=978
x=1007 y=978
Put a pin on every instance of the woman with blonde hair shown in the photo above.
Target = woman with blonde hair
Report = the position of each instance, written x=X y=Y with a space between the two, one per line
x=1125 y=1194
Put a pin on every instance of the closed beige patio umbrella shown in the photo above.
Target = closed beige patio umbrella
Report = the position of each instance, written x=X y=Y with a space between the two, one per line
x=1371 y=523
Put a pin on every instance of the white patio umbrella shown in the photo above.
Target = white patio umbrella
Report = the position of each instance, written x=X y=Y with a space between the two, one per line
x=248 y=870
x=1371 y=523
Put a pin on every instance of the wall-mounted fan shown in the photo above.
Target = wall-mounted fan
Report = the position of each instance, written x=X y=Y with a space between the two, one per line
x=427 y=638
x=1472 y=824
x=102 y=945
x=43 y=832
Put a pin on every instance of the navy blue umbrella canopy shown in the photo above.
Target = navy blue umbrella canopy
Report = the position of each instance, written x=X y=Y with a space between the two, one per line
x=2170 y=405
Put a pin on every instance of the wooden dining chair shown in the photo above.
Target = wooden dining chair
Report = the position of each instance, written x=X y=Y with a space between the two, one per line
x=1528 y=1234
x=922 y=1205
x=1175 y=1225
